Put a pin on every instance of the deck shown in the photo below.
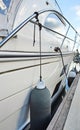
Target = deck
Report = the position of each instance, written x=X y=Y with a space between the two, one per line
x=67 y=116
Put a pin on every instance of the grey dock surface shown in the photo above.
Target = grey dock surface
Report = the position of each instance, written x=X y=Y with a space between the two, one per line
x=67 y=116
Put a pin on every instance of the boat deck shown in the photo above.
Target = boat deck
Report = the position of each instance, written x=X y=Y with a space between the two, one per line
x=67 y=116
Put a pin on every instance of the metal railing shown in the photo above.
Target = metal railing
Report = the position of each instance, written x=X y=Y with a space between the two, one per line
x=36 y=14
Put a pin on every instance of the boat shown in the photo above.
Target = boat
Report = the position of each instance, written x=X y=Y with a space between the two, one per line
x=24 y=26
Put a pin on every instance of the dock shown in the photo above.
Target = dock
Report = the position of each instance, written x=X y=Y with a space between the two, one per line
x=67 y=117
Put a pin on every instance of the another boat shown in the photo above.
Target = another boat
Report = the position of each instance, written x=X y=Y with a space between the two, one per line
x=24 y=25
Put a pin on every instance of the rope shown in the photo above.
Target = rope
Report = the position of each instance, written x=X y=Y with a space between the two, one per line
x=40 y=28
x=57 y=49
x=34 y=35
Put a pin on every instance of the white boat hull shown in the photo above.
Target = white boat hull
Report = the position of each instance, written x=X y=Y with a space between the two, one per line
x=17 y=78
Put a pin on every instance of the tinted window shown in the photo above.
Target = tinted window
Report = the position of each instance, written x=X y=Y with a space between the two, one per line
x=54 y=23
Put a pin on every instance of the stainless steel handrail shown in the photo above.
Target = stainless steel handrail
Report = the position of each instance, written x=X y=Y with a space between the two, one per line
x=64 y=36
x=16 y=30
x=60 y=16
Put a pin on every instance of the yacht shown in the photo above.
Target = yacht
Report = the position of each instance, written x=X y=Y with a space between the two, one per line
x=33 y=34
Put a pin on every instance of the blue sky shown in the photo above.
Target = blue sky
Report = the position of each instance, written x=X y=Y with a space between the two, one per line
x=71 y=10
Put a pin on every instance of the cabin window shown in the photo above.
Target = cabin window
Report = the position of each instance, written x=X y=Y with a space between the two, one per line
x=54 y=23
